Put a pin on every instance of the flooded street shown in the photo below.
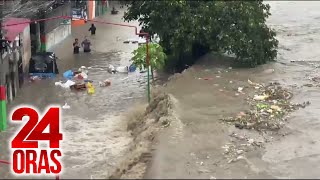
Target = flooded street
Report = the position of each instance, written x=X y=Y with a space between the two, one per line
x=94 y=136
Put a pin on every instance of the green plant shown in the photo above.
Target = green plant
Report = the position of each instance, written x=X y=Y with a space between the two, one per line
x=156 y=56
x=235 y=27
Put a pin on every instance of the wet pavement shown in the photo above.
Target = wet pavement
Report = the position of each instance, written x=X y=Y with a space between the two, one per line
x=94 y=135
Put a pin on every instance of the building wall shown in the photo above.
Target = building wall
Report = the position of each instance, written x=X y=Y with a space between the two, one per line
x=63 y=10
x=97 y=8
x=78 y=22
x=35 y=38
x=26 y=52
x=91 y=9
x=10 y=73
x=54 y=31
x=13 y=76
x=57 y=35
x=101 y=7
x=4 y=67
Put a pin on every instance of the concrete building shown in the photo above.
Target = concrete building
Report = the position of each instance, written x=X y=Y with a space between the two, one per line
x=97 y=8
x=54 y=31
x=88 y=10
x=15 y=54
x=20 y=42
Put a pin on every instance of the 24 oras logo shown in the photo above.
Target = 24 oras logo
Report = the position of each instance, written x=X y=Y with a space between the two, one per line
x=28 y=157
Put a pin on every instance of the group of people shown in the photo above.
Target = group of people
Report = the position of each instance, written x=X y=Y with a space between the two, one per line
x=85 y=44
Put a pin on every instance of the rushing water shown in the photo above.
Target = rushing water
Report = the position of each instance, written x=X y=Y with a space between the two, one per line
x=202 y=103
x=94 y=135
x=298 y=27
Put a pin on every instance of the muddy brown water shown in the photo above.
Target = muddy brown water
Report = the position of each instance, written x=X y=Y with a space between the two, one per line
x=95 y=135
x=296 y=155
x=197 y=152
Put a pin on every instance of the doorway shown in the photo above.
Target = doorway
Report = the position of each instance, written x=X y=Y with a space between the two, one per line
x=20 y=72
x=9 y=89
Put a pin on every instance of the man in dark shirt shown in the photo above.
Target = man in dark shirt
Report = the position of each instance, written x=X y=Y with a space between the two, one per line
x=93 y=29
x=141 y=31
x=76 y=46
x=86 y=45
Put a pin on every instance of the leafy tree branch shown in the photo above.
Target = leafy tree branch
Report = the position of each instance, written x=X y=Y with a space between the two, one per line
x=235 y=27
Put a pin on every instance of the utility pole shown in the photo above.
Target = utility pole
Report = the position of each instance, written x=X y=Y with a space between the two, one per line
x=3 y=108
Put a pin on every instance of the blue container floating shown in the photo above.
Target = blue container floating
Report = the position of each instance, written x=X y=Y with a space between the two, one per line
x=132 y=68
x=68 y=74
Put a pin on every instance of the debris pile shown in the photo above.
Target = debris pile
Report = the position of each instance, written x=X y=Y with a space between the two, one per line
x=239 y=146
x=232 y=152
x=77 y=80
x=269 y=108
x=105 y=83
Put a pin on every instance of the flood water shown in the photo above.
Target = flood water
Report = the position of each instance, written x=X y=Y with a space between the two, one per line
x=298 y=27
x=198 y=152
x=95 y=135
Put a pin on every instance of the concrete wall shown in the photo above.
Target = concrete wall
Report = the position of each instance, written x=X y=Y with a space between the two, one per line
x=63 y=10
x=4 y=67
x=26 y=52
x=91 y=9
x=10 y=74
x=57 y=35
x=94 y=10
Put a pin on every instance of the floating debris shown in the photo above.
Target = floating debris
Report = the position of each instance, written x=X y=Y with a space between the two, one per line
x=240 y=89
x=66 y=106
x=260 y=97
x=269 y=108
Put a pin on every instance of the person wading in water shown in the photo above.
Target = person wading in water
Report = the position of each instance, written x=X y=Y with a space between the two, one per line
x=93 y=29
x=76 y=46
x=86 y=45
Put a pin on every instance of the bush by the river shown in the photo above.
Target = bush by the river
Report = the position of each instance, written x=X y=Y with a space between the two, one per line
x=193 y=28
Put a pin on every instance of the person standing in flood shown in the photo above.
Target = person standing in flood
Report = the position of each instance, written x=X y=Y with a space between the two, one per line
x=76 y=46
x=86 y=45
x=93 y=29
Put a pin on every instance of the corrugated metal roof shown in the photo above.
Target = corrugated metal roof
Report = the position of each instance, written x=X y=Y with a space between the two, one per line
x=30 y=8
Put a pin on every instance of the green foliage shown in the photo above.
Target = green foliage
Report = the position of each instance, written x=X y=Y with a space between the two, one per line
x=234 y=27
x=156 y=55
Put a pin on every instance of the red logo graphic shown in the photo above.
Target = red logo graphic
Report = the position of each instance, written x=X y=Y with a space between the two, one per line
x=27 y=156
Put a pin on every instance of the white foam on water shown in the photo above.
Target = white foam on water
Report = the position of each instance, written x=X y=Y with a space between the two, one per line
x=93 y=145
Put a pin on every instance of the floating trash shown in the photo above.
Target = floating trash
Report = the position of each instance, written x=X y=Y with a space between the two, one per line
x=268 y=110
x=66 y=106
